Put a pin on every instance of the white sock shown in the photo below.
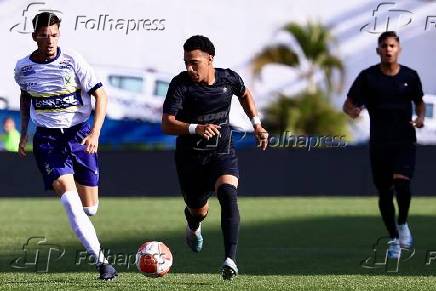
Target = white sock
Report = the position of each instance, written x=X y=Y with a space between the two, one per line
x=91 y=210
x=81 y=225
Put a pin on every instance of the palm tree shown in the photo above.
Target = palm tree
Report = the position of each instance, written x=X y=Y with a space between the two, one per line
x=312 y=56
x=309 y=112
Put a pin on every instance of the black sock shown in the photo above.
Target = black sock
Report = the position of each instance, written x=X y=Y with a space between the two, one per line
x=387 y=210
x=227 y=196
x=193 y=220
x=402 y=187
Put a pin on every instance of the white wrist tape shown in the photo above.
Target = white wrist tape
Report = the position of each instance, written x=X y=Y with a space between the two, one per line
x=192 y=127
x=255 y=120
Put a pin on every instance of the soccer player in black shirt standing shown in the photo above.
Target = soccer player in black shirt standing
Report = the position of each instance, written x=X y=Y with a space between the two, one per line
x=387 y=91
x=196 y=109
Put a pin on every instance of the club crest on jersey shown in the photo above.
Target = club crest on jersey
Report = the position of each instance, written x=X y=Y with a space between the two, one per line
x=68 y=79
x=47 y=168
x=225 y=89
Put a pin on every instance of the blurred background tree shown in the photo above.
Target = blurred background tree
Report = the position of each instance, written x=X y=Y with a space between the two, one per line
x=309 y=112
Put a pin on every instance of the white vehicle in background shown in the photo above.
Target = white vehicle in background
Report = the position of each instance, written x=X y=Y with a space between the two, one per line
x=134 y=93
x=4 y=103
x=427 y=134
x=139 y=94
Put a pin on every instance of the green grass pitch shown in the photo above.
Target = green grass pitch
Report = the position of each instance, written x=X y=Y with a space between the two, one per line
x=285 y=244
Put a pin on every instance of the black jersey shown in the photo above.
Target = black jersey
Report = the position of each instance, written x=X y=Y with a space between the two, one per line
x=199 y=103
x=389 y=103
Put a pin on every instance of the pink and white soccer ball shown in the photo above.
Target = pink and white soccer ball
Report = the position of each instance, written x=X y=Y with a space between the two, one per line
x=154 y=259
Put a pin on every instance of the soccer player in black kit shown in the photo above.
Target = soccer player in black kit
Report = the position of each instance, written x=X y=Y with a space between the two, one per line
x=196 y=109
x=387 y=91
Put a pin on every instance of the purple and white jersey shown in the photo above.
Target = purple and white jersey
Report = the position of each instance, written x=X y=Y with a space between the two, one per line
x=59 y=89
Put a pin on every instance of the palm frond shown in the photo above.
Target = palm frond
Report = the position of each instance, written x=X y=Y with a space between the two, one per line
x=328 y=65
x=313 y=38
x=278 y=54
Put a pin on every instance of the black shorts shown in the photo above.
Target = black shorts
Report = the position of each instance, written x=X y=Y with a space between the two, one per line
x=198 y=172
x=387 y=160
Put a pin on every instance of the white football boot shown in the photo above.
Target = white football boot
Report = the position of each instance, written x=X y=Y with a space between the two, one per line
x=405 y=236
x=229 y=270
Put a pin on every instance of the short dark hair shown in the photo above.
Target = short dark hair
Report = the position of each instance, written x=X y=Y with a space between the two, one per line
x=45 y=19
x=387 y=34
x=199 y=42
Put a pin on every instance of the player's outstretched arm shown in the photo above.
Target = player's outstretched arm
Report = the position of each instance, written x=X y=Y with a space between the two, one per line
x=91 y=141
x=25 y=117
x=350 y=109
x=420 y=114
x=170 y=125
x=247 y=103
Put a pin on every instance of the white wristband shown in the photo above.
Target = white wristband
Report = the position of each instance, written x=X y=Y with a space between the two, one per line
x=192 y=127
x=255 y=120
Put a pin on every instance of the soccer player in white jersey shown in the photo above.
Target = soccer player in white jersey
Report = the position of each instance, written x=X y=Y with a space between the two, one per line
x=55 y=93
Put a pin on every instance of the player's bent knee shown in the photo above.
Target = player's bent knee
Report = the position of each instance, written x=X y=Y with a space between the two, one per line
x=226 y=180
x=91 y=210
x=63 y=184
x=227 y=192
x=200 y=213
x=400 y=177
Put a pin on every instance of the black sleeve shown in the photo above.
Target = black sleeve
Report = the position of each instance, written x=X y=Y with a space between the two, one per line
x=26 y=94
x=357 y=93
x=417 y=89
x=174 y=98
x=237 y=84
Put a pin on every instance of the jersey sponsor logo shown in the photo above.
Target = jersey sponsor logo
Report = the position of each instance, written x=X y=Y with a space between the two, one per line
x=27 y=70
x=65 y=64
x=57 y=102
x=212 y=116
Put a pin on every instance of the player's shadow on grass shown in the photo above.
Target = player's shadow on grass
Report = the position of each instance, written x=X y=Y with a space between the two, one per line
x=324 y=245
